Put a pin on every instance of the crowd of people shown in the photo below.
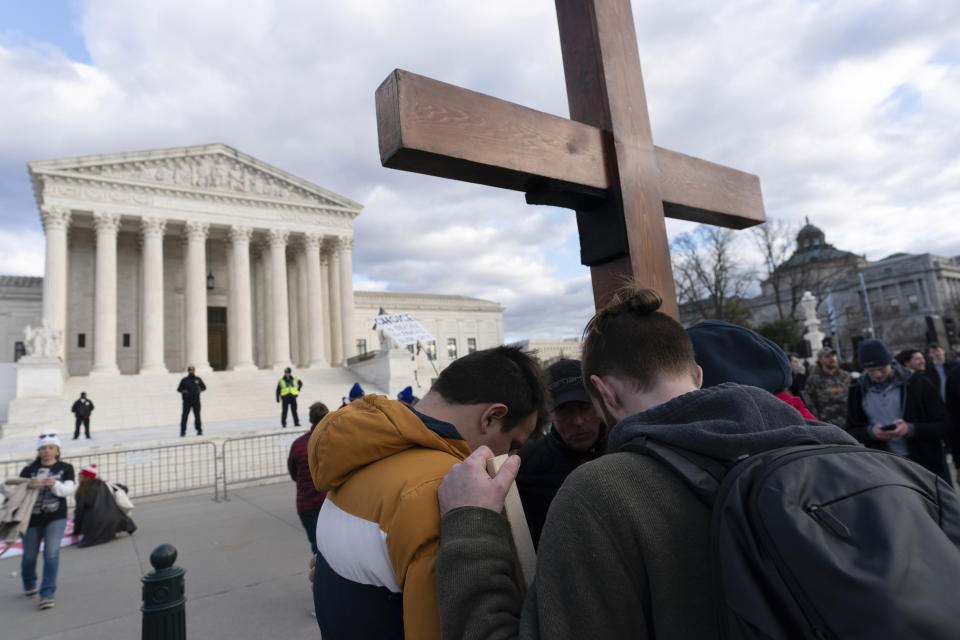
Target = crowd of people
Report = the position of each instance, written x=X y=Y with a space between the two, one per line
x=411 y=530
x=619 y=459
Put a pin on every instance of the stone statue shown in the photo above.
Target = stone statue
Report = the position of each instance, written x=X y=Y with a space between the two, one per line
x=42 y=341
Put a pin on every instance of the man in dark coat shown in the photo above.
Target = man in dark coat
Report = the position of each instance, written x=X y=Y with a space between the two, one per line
x=576 y=435
x=938 y=368
x=190 y=388
x=892 y=410
x=82 y=409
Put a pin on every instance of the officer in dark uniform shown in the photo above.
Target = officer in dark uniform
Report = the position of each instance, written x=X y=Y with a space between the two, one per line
x=190 y=388
x=82 y=409
x=287 y=391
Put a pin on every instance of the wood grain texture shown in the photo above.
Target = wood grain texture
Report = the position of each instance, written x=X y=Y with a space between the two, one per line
x=415 y=136
x=522 y=542
x=606 y=147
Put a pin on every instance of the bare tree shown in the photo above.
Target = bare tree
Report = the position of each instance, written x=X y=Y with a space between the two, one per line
x=709 y=274
x=776 y=240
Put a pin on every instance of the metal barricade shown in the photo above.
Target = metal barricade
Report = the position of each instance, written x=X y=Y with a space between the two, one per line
x=259 y=457
x=148 y=471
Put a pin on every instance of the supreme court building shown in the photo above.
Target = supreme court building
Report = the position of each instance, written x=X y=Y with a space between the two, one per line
x=203 y=255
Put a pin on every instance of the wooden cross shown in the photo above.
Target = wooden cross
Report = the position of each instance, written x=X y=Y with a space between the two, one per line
x=601 y=162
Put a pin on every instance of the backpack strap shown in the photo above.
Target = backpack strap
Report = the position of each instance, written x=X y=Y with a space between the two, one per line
x=702 y=473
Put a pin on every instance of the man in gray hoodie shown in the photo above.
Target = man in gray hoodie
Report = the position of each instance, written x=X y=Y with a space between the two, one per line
x=625 y=549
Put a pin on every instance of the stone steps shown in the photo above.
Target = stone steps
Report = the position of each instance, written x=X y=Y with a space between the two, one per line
x=125 y=402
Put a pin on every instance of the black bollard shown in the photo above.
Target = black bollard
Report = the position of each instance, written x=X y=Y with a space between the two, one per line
x=164 y=613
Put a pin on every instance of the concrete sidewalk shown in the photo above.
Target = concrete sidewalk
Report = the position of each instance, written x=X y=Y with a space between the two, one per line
x=246 y=561
x=23 y=446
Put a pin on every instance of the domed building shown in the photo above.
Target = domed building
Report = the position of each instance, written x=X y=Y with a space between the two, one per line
x=913 y=298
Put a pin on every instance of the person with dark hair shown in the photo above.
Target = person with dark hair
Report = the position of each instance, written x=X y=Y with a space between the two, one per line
x=288 y=388
x=576 y=435
x=625 y=551
x=381 y=462
x=912 y=360
x=97 y=515
x=82 y=409
x=309 y=500
x=56 y=482
x=190 y=388
x=891 y=409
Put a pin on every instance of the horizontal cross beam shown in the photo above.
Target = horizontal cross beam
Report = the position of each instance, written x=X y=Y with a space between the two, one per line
x=442 y=130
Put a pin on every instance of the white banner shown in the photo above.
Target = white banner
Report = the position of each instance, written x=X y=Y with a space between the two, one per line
x=402 y=328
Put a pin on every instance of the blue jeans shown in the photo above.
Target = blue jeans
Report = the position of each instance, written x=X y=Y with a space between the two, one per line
x=51 y=534
x=309 y=523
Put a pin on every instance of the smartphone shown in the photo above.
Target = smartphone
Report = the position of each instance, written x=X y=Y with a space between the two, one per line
x=888 y=427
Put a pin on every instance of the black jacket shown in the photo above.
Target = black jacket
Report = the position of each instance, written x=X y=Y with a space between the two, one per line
x=921 y=406
x=82 y=407
x=934 y=375
x=546 y=463
x=953 y=410
x=190 y=388
x=98 y=517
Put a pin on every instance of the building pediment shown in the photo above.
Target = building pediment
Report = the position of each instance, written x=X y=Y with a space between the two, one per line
x=208 y=169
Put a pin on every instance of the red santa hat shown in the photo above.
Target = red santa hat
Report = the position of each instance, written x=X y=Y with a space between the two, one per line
x=90 y=471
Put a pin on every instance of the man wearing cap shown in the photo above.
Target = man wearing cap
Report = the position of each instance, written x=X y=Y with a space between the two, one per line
x=577 y=434
x=288 y=388
x=827 y=387
x=891 y=409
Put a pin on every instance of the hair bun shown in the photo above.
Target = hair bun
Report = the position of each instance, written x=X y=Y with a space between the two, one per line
x=637 y=300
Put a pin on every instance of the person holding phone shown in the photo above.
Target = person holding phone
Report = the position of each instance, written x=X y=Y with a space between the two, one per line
x=55 y=481
x=890 y=409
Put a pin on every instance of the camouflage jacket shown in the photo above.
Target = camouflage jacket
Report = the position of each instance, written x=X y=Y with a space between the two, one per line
x=827 y=395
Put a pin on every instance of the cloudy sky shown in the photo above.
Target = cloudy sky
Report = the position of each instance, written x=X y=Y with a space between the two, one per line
x=847 y=110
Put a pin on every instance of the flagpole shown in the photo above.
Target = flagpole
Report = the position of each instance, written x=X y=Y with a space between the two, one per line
x=866 y=302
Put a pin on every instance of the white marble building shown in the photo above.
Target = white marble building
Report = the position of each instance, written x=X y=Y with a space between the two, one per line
x=204 y=255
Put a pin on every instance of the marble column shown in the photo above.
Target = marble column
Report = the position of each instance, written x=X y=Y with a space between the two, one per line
x=336 y=334
x=105 y=296
x=346 y=298
x=279 y=305
x=266 y=304
x=292 y=316
x=195 y=299
x=324 y=323
x=56 y=221
x=303 y=306
x=315 y=292
x=240 y=300
x=151 y=233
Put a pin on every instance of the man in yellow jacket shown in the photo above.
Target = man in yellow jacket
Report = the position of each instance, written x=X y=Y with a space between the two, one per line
x=381 y=462
x=287 y=391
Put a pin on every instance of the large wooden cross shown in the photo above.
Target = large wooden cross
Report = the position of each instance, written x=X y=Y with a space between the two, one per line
x=601 y=162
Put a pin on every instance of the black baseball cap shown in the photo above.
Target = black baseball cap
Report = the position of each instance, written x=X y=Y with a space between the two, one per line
x=566 y=383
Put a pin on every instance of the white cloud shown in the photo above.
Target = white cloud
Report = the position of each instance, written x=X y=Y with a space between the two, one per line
x=846 y=111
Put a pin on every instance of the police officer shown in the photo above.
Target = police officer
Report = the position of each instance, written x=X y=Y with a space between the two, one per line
x=190 y=388
x=287 y=390
x=82 y=409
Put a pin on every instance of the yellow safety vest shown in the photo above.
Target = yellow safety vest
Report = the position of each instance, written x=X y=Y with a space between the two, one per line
x=292 y=389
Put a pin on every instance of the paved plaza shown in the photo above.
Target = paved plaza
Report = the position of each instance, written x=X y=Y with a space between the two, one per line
x=246 y=561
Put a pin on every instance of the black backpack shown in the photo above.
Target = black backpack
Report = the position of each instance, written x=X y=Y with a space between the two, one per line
x=827 y=541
